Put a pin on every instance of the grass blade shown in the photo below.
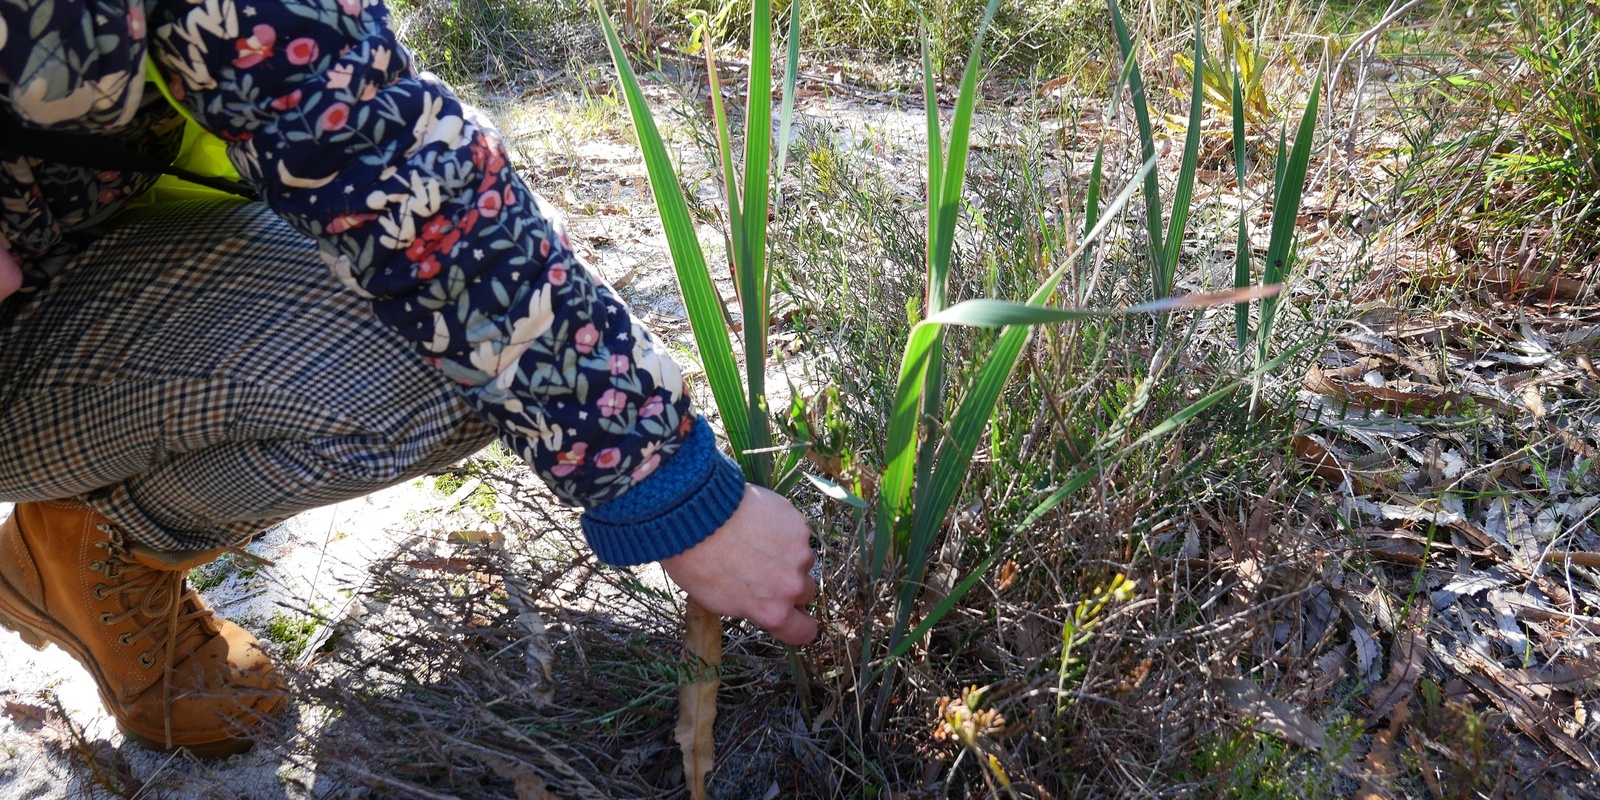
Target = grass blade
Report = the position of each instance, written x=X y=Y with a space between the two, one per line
x=1091 y=212
x=1167 y=426
x=940 y=250
x=1289 y=185
x=1241 y=256
x=945 y=182
x=791 y=72
x=751 y=260
x=986 y=313
x=930 y=102
x=835 y=491
x=1183 y=195
x=972 y=415
x=894 y=493
x=1278 y=165
x=724 y=145
x=955 y=169
x=1141 y=115
x=1072 y=485
x=943 y=607
x=694 y=281
x=936 y=280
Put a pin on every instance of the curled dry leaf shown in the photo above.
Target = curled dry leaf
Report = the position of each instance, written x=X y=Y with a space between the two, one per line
x=1590 y=560
x=1318 y=457
x=697 y=702
x=537 y=654
x=1526 y=284
x=1367 y=651
x=1394 y=396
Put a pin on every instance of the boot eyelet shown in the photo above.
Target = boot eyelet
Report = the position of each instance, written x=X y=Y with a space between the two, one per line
x=97 y=591
x=105 y=617
x=124 y=639
x=146 y=660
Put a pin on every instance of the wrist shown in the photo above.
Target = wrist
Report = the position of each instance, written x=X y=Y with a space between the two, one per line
x=684 y=501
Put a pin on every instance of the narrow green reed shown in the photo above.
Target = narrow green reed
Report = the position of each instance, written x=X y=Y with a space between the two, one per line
x=1288 y=185
x=700 y=297
x=924 y=470
x=926 y=461
x=1241 y=255
x=741 y=404
x=1147 y=141
x=1183 y=195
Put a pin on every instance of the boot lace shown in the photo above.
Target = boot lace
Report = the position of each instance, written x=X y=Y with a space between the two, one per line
x=159 y=600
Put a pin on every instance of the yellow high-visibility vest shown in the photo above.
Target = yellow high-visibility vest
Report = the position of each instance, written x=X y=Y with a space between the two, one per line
x=202 y=153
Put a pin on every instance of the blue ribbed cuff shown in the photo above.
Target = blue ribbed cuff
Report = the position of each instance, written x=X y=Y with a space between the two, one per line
x=684 y=501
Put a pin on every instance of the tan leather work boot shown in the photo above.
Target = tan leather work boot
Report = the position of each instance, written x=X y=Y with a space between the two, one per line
x=172 y=674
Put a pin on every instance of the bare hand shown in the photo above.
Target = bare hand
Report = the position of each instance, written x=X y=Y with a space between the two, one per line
x=756 y=566
x=10 y=274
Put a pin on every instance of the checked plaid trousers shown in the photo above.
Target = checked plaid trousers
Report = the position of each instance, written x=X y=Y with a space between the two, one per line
x=196 y=374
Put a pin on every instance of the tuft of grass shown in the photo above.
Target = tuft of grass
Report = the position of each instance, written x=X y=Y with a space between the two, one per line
x=490 y=41
x=209 y=576
x=1247 y=765
x=291 y=632
x=1053 y=39
x=1075 y=470
x=1503 y=148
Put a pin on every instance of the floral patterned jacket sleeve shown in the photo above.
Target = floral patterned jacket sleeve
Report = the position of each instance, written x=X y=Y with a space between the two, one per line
x=414 y=205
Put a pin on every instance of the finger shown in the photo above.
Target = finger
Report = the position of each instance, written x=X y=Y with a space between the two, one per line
x=810 y=559
x=809 y=593
x=797 y=627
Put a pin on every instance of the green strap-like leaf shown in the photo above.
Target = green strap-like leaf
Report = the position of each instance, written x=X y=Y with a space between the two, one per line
x=730 y=183
x=953 y=177
x=1183 y=195
x=1241 y=256
x=694 y=281
x=1091 y=212
x=930 y=102
x=1289 y=184
x=986 y=313
x=791 y=74
x=835 y=491
x=751 y=260
x=1166 y=427
x=955 y=169
x=1141 y=115
x=943 y=607
x=894 y=494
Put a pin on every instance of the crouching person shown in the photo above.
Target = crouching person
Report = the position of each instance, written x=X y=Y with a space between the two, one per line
x=177 y=376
